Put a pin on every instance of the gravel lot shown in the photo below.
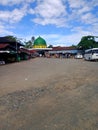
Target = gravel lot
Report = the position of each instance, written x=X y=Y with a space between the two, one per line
x=49 y=94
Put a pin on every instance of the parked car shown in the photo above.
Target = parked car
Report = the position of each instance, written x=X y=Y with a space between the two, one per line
x=79 y=56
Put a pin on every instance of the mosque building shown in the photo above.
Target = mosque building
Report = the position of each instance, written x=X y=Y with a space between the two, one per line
x=39 y=43
x=40 y=46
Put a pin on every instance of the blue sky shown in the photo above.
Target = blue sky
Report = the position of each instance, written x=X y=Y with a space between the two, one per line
x=59 y=22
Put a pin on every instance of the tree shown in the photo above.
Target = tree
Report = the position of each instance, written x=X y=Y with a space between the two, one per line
x=11 y=38
x=50 y=46
x=87 y=42
x=73 y=45
x=28 y=44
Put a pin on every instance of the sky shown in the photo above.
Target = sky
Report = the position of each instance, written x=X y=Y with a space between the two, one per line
x=59 y=22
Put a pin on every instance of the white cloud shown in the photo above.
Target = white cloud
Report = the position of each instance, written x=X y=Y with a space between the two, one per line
x=50 y=9
x=94 y=2
x=81 y=12
x=4 y=30
x=68 y=40
x=50 y=12
x=13 y=16
x=57 y=12
x=61 y=22
x=84 y=9
x=61 y=13
x=14 y=2
x=76 y=4
x=89 y=18
x=8 y=18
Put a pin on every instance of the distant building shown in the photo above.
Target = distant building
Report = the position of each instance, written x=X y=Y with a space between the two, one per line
x=63 y=52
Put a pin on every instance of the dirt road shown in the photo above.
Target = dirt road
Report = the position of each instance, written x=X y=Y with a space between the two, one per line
x=49 y=94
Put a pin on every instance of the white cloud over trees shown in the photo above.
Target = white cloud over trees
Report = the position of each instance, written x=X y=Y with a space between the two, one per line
x=59 y=13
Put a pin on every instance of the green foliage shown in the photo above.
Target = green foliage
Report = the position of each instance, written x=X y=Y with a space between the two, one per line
x=87 y=42
x=73 y=46
x=50 y=46
x=28 y=44
x=11 y=38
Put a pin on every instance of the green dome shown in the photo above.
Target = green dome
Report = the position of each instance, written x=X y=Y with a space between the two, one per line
x=40 y=43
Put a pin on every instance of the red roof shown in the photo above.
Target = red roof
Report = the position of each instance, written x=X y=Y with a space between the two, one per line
x=3 y=46
x=25 y=50
x=32 y=51
x=58 y=48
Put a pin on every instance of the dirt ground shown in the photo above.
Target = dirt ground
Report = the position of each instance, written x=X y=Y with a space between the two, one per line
x=49 y=94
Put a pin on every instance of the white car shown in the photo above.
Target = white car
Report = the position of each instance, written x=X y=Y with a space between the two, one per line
x=2 y=62
x=79 y=56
